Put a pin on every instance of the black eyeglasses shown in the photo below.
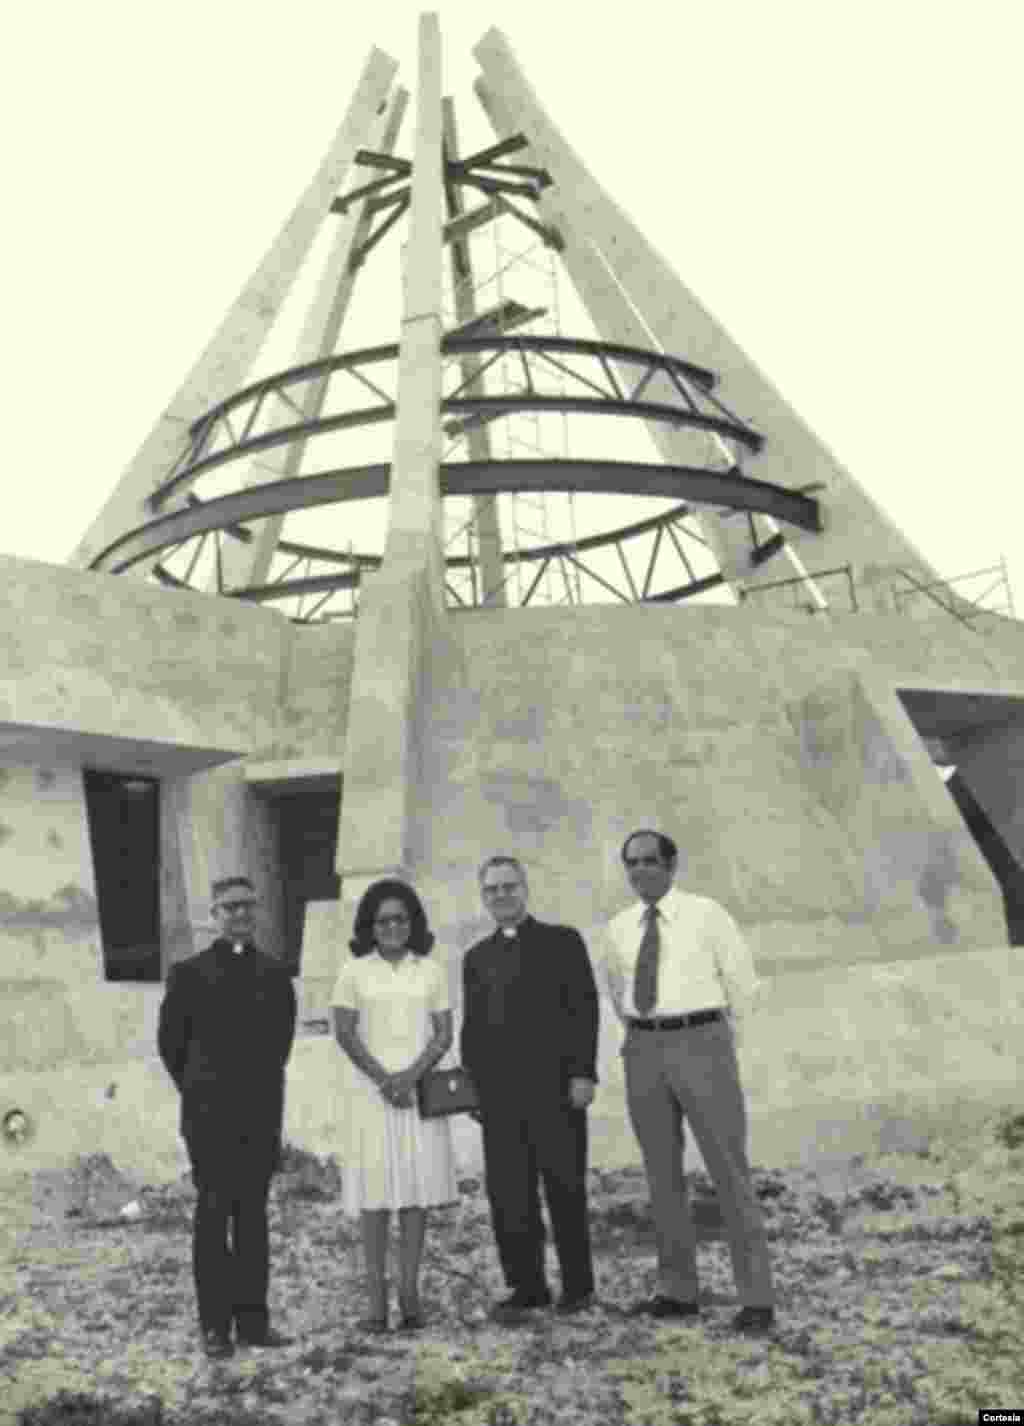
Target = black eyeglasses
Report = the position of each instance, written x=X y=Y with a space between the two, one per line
x=502 y=887
x=234 y=906
x=652 y=860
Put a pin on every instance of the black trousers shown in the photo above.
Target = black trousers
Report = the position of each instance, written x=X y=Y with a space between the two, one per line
x=231 y=1241
x=526 y=1145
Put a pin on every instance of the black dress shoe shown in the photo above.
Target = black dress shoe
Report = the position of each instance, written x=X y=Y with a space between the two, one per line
x=375 y=1325
x=666 y=1307
x=217 y=1345
x=266 y=1338
x=569 y=1304
x=754 y=1319
x=518 y=1305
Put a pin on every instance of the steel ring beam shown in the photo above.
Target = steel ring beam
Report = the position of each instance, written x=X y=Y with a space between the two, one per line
x=453 y=346
x=730 y=488
x=610 y=399
x=488 y=408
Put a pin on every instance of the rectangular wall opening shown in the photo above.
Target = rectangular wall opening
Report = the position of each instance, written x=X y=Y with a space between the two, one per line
x=971 y=739
x=124 y=833
x=306 y=813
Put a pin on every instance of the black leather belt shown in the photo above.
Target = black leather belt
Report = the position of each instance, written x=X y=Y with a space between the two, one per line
x=676 y=1022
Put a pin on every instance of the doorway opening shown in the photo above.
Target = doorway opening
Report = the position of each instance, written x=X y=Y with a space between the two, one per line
x=305 y=813
x=123 y=812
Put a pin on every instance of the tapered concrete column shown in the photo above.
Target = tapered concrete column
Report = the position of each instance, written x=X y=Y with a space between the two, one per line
x=415 y=528
x=224 y=364
x=245 y=564
x=857 y=531
x=401 y=607
x=616 y=321
x=478 y=438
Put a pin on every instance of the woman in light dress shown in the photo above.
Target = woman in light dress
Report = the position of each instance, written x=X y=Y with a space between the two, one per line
x=393 y=1019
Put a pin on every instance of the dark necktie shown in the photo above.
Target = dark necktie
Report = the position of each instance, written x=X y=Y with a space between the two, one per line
x=645 y=979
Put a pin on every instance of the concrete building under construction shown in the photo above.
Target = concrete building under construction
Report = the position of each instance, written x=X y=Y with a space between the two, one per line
x=198 y=691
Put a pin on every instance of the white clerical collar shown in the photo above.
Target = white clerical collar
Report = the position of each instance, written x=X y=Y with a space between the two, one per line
x=238 y=947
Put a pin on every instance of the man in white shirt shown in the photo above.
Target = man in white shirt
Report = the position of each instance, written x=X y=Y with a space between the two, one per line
x=680 y=977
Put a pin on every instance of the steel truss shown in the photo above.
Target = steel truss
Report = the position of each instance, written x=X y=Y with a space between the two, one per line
x=236 y=428
x=589 y=383
x=341 y=572
x=593 y=379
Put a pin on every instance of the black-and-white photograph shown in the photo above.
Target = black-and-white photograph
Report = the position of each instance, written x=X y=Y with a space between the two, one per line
x=511 y=714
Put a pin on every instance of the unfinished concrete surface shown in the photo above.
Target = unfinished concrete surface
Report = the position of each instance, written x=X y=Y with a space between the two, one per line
x=776 y=748
x=792 y=757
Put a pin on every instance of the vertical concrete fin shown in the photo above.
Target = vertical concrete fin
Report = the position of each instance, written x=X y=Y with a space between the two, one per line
x=233 y=347
x=615 y=320
x=857 y=531
x=478 y=438
x=415 y=528
x=401 y=607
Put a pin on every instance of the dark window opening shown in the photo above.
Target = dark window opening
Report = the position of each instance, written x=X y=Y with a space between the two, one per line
x=124 y=832
x=1003 y=864
x=950 y=725
x=307 y=827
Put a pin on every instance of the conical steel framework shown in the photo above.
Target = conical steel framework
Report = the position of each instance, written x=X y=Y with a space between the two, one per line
x=794 y=757
x=744 y=476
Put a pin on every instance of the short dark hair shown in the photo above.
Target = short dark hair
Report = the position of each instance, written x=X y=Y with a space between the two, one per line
x=502 y=859
x=421 y=938
x=667 y=849
x=219 y=889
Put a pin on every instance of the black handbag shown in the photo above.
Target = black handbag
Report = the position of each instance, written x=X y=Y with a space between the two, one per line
x=445 y=1091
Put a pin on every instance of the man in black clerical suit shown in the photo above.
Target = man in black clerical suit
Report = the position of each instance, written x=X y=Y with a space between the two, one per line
x=226 y=1027
x=529 y=1040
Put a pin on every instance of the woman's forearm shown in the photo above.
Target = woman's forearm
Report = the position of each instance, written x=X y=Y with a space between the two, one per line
x=436 y=1049
x=360 y=1056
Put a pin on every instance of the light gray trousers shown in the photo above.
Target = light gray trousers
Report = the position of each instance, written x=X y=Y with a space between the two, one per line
x=691 y=1076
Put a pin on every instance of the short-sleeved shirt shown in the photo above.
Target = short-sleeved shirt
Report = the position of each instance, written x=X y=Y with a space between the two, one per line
x=395 y=1003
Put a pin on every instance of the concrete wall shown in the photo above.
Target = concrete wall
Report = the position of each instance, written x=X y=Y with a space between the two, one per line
x=838 y=1061
x=49 y=924
x=93 y=654
x=316 y=684
x=120 y=675
x=774 y=746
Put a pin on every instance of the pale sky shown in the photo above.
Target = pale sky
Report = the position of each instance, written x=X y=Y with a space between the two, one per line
x=837 y=182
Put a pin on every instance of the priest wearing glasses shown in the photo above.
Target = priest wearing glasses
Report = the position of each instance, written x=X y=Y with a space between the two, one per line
x=681 y=977
x=226 y=1026
x=529 y=1040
